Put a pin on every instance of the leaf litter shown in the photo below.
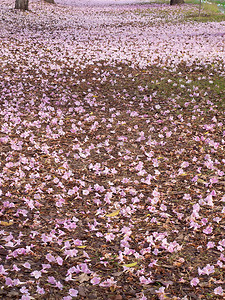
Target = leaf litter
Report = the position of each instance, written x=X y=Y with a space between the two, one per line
x=112 y=154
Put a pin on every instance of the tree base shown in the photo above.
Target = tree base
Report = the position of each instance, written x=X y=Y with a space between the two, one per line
x=50 y=1
x=176 y=2
x=21 y=4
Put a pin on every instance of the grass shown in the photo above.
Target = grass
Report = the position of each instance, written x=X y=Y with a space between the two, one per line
x=211 y=8
x=178 y=84
x=209 y=13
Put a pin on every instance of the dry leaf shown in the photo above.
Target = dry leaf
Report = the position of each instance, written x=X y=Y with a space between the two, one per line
x=83 y=277
x=130 y=265
x=3 y=223
x=113 y=214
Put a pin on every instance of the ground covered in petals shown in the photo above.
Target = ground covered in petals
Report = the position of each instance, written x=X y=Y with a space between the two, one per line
x=112 y=144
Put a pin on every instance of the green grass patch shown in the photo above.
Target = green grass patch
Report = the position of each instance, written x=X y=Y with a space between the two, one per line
x=209 y=12
x=210 y=8
x=205 y=17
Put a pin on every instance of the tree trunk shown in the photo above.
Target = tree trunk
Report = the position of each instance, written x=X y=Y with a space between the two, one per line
x=50 y=1
x=174 y=2
x=21 y=4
